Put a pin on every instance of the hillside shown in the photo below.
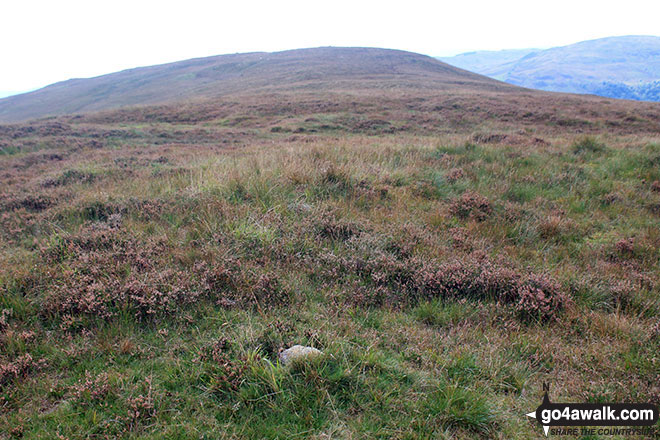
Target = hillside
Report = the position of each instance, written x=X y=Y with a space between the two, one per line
x=448 y=242
x=327 y=68
x=617 y=67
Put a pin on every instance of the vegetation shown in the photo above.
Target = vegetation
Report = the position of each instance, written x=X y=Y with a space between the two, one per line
x=155 y=260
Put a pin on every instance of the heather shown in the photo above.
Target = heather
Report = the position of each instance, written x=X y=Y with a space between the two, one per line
x=151 y=271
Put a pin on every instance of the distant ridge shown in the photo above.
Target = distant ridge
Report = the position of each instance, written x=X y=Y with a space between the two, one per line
x=625 y=67
x=326 y=68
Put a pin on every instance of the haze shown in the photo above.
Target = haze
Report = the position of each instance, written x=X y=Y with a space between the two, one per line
x=46 y=42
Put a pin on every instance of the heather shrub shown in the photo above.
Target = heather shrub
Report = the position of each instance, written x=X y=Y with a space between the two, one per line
x=222 y=373
x=455 y=174
x=70 y=176
x=329 y=225
x=213 y=351
x=101 y=271
x=448 y=280
x=540 y=298
x=366 y=195
x=374 y=268
x=221 y=277
x=471 y=205
x=534 y=296
x=160 y=292
x=101 y=211
x=624 y=249
x=5 y=314
x=18 y=368
x=91 y=389
x=370 y=296
x=425 y=189
x=380 y=278
x=460 y=239
x=267 y=290
x=31 y=202
x=499 y=283
x=140 y=408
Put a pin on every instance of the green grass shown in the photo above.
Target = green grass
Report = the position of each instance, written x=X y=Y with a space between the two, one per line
x=153 y=295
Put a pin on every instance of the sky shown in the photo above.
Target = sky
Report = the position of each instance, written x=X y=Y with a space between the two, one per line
x=42 y=42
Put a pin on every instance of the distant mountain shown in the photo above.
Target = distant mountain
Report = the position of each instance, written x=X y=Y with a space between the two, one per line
x=490 y=63
x=327 y=68
x=616 y=67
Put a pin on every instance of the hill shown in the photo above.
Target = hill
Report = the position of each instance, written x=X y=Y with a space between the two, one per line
x=328 y=68
x=449 y=242
x=618 y=67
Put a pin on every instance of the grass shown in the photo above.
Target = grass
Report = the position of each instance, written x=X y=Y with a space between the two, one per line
x=147 y=287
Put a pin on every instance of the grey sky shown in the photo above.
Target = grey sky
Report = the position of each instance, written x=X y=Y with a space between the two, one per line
x=48 y=41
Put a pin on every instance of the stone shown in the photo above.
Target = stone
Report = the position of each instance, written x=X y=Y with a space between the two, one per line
x=298 y=353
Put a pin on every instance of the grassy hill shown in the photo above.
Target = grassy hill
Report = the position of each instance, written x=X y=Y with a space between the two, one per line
x=617 y=67
x=449 y=244
x=213 y=77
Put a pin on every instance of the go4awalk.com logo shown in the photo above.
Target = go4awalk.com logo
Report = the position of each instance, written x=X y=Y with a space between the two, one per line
x=596 y=418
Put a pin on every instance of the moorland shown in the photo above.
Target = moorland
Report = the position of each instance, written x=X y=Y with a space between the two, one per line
x=449 y=242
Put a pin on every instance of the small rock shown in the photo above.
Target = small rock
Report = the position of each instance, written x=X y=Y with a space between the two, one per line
x=298 y=352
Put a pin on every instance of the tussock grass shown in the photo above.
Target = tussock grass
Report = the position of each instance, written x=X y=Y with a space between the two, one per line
x=147 y=292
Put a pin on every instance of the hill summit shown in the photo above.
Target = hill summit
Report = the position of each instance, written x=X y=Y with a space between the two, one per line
x=325 y=68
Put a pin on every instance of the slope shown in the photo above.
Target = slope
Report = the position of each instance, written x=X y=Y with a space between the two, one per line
x=326 y=68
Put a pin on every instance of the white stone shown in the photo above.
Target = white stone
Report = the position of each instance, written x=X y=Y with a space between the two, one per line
x=298 y=352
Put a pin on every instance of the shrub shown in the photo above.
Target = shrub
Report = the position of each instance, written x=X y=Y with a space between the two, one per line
x=140 y=408
x=70 y=176
x=454 y=174
x=101 y=271
x=460 y=238
x=473 y=205
x=222 y=277
x=268 y=291
x=449 y=280
x=499 y=283
x=625 y=247
x=226 y=374
x=379 y=278
x=32 y=202
x=18 y=368
x=540 y=298
x=91 y=389
x=328 y=225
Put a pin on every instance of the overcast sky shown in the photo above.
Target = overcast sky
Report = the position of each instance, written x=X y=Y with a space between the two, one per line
x=42 y=42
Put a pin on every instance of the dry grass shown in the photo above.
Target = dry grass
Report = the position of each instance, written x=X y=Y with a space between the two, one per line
x=154 y=261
